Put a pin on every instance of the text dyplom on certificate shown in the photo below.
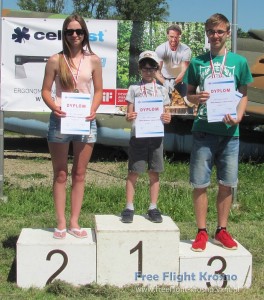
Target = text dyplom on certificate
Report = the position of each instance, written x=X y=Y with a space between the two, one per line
x=77 y=107
x=223 y=98
x=148 y=122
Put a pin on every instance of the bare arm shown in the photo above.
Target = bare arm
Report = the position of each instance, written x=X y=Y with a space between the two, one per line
x=194 y=97
x=243 y=103
x=51 y=70
x=241 y=108
x=98 y=86
x=184 y=66
x=131 y=114
x=158 y=74
x=165 y=117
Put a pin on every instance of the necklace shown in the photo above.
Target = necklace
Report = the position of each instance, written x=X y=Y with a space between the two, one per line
x=75 y=77
x=222 y=67
x=144 y=91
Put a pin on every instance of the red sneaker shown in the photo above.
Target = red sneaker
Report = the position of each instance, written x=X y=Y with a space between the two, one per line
x=200 y=241
x=224 y=239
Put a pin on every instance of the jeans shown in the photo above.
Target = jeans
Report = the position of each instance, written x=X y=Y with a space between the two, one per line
x=209 y=150
x=54 y=135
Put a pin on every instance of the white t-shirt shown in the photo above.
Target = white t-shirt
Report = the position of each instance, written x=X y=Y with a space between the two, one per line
x=172 y=59
x=146 y=90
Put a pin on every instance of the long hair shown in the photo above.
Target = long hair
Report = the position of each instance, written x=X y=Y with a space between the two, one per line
x=65 y=74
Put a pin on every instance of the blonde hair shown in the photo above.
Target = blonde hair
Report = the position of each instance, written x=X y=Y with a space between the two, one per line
x=216 y=19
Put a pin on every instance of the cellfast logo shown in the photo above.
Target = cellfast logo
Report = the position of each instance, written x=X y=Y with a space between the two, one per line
x=20 y=35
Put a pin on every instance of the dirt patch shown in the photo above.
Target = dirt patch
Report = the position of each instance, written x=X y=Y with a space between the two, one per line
x=27 y=163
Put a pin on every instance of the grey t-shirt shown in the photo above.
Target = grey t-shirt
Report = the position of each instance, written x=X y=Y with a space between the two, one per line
x=172 y=59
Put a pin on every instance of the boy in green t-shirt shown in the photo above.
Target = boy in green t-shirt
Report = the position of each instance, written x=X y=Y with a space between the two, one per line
x=215 y=143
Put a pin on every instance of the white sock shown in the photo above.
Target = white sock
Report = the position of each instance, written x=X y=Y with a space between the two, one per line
x=152 y=206
x=130 y=206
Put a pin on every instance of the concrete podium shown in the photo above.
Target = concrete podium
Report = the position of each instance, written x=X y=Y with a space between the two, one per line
x=42 y=259
x=121 y=254
x=215 y=267
x=137 y=253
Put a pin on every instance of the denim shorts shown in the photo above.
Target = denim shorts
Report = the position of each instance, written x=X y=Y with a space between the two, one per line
x=55 y=136
x=209 y=150
x=144 y=151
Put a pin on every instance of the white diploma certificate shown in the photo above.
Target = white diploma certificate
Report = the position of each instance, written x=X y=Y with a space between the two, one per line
x=223 y=98
x=77 y=107
x=148 y=122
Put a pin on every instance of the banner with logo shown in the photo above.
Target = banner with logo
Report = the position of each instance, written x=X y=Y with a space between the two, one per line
x=27 y=43
x=26 y=46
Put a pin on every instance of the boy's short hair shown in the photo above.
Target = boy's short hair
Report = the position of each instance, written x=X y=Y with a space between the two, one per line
x=216 y=19
x=148 y=57
x=174 y=27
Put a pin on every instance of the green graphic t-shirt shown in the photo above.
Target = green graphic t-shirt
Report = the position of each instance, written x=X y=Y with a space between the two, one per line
x=199 y=69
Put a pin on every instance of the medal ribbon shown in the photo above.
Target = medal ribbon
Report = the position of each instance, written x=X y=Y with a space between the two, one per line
x=75 y=77
x=221 y=67
x=144 y=91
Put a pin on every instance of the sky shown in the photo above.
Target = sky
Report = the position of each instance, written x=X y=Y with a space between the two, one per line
x=249 y=15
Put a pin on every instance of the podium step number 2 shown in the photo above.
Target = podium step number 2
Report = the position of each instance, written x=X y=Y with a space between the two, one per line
x=42 y=259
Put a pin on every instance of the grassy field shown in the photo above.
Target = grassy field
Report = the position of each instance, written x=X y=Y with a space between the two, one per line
x=32 y=208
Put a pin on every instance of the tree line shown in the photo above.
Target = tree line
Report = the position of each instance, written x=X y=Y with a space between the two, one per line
x=136 y=10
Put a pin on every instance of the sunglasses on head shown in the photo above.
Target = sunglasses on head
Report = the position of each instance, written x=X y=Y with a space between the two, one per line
x=70 y=32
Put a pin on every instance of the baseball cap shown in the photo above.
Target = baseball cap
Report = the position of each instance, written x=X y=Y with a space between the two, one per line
x=149 y=54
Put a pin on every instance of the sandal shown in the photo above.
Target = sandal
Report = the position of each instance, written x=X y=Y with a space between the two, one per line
x=59 y=234
x=78 y=233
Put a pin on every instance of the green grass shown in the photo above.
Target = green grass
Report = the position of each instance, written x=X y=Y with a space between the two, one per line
x=33 y=208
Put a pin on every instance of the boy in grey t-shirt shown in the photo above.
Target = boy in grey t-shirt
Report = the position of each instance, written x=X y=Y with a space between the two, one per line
x=147 y=150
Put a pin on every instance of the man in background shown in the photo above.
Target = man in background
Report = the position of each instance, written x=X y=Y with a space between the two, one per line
x=174 y=60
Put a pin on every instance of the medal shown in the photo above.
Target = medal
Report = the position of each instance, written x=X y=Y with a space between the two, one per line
x=222 y=67
x=74 y=77
x=144 y=91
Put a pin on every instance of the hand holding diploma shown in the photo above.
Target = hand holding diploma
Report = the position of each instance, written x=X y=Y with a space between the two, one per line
x=77 y=108
x=223 y=100
x=148 y=120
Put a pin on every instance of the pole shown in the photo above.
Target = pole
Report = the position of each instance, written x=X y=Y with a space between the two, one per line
x=235 y=203
x=2 y=197
x=234 y=26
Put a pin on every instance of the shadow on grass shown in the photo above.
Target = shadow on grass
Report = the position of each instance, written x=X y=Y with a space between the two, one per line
x=10 y=243
x=31 y=145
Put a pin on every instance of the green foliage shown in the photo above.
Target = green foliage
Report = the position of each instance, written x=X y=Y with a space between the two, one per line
x=42 y=5
x=193 y=36
x=123 y=37
x=136 y=10
x=242 y=34
x=85 y=8
x=104 y=8
x=141 y=10
x=31 y=176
